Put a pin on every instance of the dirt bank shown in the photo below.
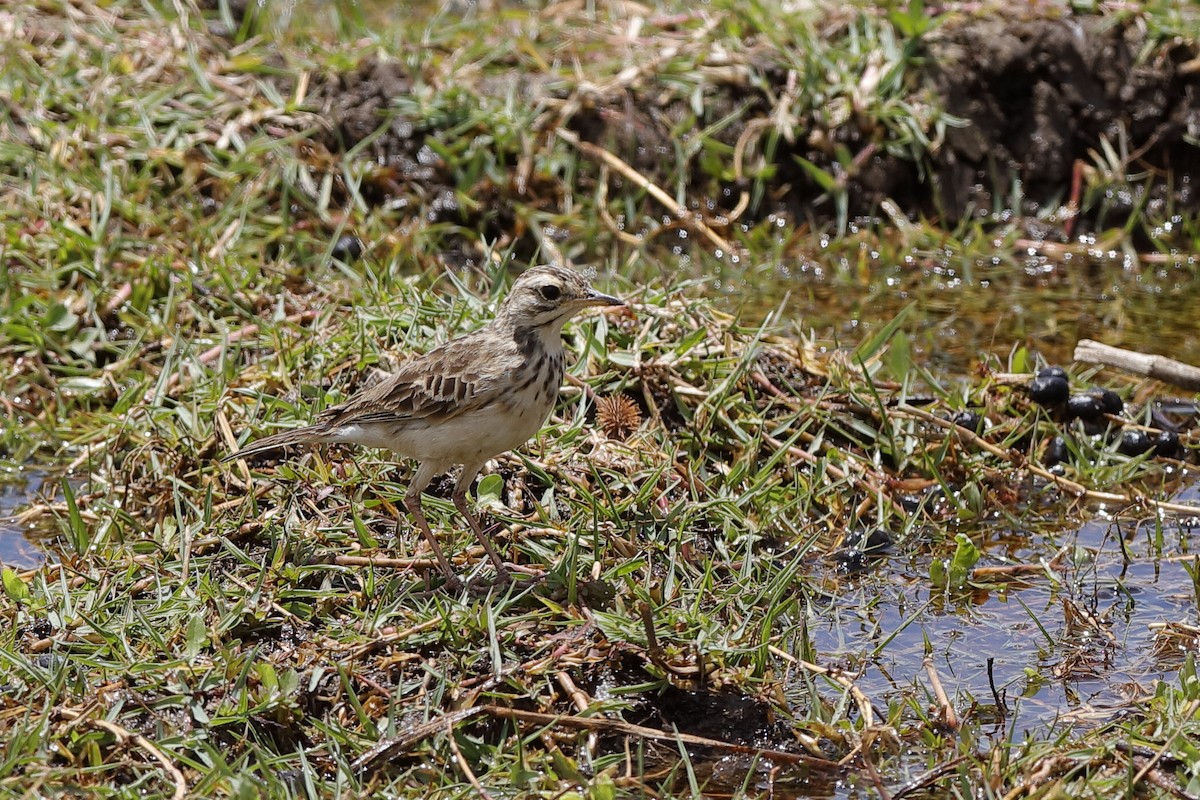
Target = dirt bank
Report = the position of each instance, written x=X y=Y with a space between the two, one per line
x=1041 y=101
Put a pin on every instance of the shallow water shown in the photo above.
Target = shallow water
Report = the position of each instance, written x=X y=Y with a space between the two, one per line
x=17 y=490
x=967 y=313
x=1048 y=669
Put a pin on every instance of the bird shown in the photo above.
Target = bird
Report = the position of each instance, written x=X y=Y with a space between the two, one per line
x=465 y=401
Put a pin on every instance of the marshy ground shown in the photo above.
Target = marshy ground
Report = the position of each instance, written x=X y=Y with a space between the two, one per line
x=774 y=564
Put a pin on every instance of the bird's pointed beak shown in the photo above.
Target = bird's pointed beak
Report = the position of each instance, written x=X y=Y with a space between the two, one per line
x=595 y=298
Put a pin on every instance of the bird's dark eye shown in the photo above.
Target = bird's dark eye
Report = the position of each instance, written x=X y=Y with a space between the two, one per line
x=550 y=291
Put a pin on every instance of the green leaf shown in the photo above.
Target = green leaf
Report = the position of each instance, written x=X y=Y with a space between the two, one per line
x=824 y=179
x=937 y=573
x=565 y=767
x=602 y=788
x=197 y=635
x=59 y=318
x=268 y=677
x=361 y=531
x=899 y=357
x=490 y=488
x=622 y=358
x=80 y=538
x=966 y=554
x=1020 y=361
x=82 y=384
x=873 y=344
x=14 y=587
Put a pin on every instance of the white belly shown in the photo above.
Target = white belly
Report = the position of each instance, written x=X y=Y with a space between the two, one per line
x=470 y=438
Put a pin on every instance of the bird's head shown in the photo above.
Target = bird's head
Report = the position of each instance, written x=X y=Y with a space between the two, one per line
x=546 y=297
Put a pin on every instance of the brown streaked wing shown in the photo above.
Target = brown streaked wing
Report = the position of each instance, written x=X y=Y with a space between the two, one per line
x=462 y=375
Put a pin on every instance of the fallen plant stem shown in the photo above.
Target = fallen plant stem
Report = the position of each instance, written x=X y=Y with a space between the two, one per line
x=1161 y=368
x=948 y=717
x=389 y=749
x=872 y=490
x=1185 y=714
x=616 y=726
x=463 y=766
x=1017 y=570
x=641 y=181
x=177 y=379
x=124 y=735
x=835 y=675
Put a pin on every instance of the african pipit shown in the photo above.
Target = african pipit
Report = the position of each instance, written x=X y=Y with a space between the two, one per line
x=466 y=401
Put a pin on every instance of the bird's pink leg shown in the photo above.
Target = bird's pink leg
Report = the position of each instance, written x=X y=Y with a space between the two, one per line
x=460 y=502
x=412 y=501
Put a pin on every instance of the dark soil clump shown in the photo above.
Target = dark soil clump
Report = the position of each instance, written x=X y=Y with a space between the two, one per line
x=1042 y=100
x=1041 y=94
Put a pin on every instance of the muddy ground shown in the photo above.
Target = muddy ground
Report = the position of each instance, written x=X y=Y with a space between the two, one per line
x=1038 y=96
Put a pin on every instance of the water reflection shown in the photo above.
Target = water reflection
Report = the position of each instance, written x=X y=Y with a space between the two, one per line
x=17 y=489
x=1070 y=646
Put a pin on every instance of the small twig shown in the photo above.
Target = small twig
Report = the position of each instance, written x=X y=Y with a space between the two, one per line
x=1074 y=203
x=874 y=775
x=655 y=652
x=118 y=299
x=606 y=216
x=326 y=642
x=386 y=562
x=124 y=735
x=837 y=676
x=872 y=489
x=390 y=748
x=1161 y=368
x=617 y=726
x=394 y=638
x=1018 y=570
x=463 y=765
x=581 y=701
x=603 y=156
x=1001 y=708
x=739 y=154
x=1185 y=714
x=246 y=331
x=949 y=719
x=176 y=381
x=924 y=780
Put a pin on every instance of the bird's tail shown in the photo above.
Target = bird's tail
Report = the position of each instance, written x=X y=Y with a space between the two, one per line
x=310 y=434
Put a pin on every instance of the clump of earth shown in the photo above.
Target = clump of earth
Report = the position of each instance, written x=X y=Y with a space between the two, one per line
x=1042 y=101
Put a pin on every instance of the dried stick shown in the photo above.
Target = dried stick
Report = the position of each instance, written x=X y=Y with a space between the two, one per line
x=213 y=353
x=581 y=701
x=609 y=222
x=393 y=638
x=124 y=735
x=949 y=719
x=1186 y=713
x=618 y=726
x=390 y=748
x=1005 y=571
x=1161 y=368
x=837 y=676
x=386 y=562
x=463 y=765
x=862 y=484
x=118 y=299
x=641 y=181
